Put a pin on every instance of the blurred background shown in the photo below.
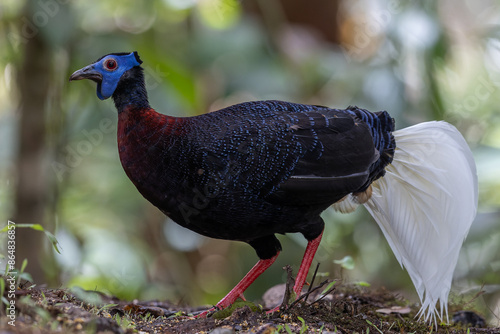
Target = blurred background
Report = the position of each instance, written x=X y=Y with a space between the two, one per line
x=59 y=165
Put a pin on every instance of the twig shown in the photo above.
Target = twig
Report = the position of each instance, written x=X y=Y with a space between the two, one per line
x=325 y=294
x=288 y=287
x=312 y=282
x=477 y=295
x=305 y=295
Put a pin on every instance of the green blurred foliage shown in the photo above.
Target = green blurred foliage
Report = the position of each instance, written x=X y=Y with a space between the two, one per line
x=420 y=61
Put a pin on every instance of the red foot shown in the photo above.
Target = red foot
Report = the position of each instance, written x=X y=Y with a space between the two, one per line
x=258 y=269
x=237 y=291
x=276 y=309
x=204 y=313
x=312 y=247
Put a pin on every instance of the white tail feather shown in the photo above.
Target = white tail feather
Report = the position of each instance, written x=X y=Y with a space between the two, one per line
x=346 y=205
x=425 y=205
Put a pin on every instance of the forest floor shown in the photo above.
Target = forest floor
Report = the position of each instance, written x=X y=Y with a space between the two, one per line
x=329 y=308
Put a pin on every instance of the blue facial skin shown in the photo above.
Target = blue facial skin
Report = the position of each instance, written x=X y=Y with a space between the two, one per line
x=112 y=72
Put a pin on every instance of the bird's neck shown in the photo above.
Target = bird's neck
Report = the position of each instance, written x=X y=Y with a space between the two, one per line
x=131 y=91
x=146 y=145
x=145 y=137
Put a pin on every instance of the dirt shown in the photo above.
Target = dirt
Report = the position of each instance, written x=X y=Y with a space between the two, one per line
x=343 y=309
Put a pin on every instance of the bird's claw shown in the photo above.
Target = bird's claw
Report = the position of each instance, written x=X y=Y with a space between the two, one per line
x=220 y=306
x=216 y=308
x=203 y=314
x=276 y=309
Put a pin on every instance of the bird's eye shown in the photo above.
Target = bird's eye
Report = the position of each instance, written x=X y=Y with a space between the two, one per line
x=110 y=64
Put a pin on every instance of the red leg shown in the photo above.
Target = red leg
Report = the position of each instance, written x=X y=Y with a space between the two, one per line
x=312 y=247
x=237 y=291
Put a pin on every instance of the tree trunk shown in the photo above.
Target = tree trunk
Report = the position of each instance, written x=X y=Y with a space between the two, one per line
x=32 y=184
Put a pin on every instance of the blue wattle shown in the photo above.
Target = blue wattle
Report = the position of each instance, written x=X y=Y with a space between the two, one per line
x=99 y=95
x=107 y=87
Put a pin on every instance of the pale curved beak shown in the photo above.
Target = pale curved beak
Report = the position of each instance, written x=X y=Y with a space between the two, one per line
x=87 y=72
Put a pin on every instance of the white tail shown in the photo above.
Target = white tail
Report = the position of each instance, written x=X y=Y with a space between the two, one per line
x=425 y=205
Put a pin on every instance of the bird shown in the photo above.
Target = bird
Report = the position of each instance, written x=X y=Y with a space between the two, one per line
x=256 y=169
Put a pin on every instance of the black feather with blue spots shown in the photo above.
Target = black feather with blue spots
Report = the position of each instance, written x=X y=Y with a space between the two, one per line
x=382 y=126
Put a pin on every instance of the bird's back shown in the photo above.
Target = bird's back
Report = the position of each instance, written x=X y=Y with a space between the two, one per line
x=253 y=168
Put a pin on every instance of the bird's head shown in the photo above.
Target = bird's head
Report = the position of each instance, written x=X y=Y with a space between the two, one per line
x=107 y=71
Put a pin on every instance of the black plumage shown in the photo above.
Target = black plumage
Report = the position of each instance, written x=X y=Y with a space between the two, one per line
x=255 y=169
